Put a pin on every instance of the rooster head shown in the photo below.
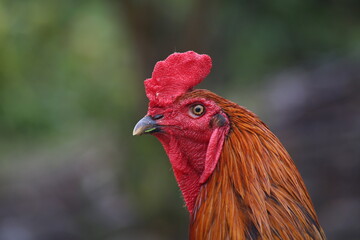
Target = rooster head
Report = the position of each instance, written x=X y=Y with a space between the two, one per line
x=189 y=123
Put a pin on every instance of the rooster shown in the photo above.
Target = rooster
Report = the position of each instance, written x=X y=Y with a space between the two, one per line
x=237 y=180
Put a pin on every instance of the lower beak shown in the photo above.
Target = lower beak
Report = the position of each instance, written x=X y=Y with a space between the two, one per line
x=146 y=125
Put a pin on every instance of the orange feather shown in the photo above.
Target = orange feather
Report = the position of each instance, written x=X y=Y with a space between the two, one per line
x=256 y=191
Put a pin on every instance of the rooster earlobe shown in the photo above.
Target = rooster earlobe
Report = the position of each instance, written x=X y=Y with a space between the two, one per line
x=215 y=146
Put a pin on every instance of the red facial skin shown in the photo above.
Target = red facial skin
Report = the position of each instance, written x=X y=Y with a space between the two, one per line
x=185 y=138
x=192 y=143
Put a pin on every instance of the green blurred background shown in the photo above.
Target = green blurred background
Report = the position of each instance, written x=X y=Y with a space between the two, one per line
x=71 y=90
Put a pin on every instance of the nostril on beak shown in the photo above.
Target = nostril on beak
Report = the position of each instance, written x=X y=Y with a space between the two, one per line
x=157 y=117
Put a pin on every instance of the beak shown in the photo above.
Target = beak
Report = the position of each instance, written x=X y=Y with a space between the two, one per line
x=146 y=125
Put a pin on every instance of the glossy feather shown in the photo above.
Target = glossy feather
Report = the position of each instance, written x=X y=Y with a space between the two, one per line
x=256 y=191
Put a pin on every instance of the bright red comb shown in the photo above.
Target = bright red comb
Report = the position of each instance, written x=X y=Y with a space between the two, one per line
x=176 y=75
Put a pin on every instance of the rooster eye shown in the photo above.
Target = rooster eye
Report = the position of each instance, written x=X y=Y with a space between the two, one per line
x=197 y=110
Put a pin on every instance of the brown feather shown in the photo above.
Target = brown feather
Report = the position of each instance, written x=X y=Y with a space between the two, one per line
x=255 y=192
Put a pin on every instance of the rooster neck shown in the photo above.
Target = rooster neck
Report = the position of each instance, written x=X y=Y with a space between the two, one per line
x=255 y=192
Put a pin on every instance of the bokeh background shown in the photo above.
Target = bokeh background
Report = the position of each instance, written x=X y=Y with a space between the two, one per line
x=71 y=90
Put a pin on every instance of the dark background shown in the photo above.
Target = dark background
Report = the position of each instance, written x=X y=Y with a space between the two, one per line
x=71 y=91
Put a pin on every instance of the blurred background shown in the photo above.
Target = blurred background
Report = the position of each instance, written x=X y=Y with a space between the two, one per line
x=71 y=91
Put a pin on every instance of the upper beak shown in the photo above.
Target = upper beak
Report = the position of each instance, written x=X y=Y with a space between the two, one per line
x=145 y=125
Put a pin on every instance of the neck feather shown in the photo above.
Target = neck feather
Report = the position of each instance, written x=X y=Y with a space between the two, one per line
x=254 y=191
